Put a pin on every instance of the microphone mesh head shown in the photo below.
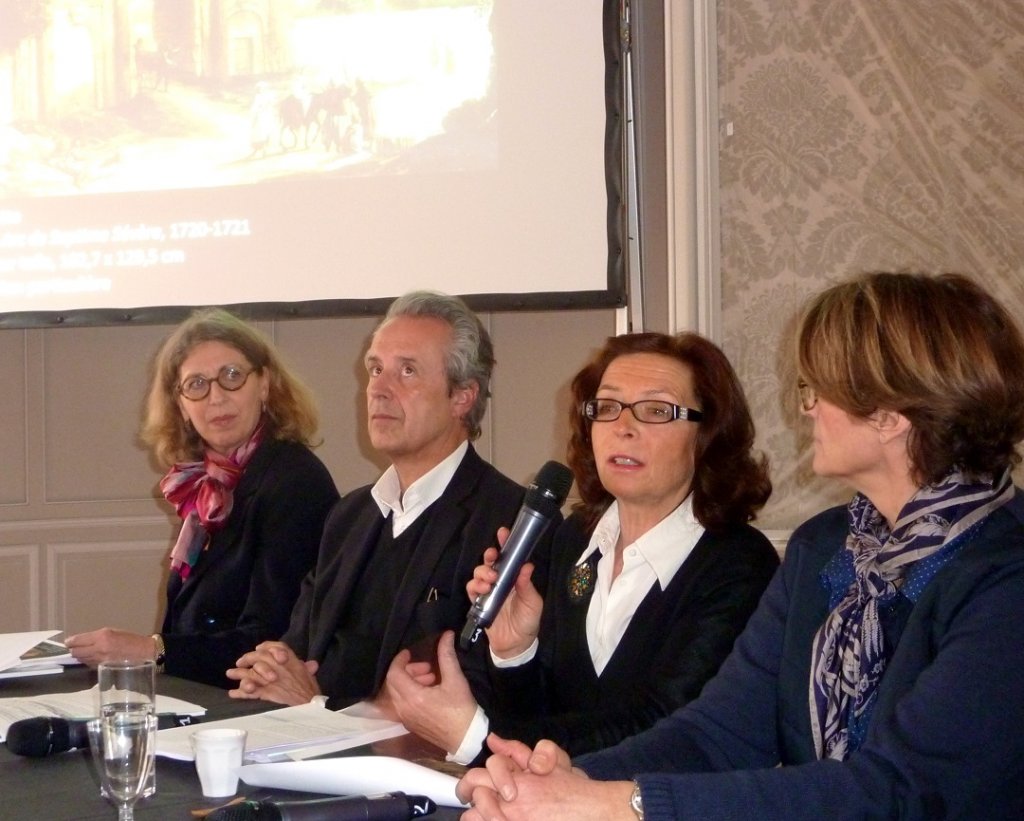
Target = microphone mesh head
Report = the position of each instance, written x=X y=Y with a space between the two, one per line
x=38 y=737
x=552 y=485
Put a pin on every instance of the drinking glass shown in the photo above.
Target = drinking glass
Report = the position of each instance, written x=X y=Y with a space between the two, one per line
x=127 y=740
x=126 y=685
x=129 y=686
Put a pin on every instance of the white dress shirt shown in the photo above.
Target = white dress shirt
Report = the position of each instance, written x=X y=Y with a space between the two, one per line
x=406 y=507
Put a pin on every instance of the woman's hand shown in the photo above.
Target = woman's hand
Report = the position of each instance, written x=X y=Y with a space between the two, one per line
x=107 y=644
x=520 y=784
x=517 y=624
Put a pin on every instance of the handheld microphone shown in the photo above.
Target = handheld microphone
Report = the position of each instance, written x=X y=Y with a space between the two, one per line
x=393 y=806
x=41 y=736
x=544 y=498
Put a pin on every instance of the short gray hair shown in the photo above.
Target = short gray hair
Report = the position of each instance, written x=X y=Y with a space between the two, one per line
x=471 y=355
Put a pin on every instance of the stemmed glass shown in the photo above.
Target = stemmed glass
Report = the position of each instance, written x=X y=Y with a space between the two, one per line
x=127 y=685
x=126 y=741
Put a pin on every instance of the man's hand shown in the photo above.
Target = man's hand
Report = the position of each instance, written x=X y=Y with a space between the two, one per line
x=107 y=643
x=272 y=672
x=439 y=711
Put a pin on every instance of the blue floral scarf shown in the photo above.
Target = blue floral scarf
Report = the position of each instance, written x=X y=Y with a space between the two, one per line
x=848 y=653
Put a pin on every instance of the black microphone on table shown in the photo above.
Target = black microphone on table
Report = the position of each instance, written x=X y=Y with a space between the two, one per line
x=544 y=499
x=41 y=736
x=393 y=806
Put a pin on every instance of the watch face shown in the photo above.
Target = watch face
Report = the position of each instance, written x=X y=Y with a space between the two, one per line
x=636 y=801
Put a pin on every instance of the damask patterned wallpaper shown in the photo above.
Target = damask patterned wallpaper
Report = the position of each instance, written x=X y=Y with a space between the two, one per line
x=858 y=135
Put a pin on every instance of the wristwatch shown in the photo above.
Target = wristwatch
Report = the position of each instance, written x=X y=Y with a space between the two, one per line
x=160 y=654
x=636 y=802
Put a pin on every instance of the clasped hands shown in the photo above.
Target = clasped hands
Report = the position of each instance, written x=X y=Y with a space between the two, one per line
x=520 y=784
x=272 y=672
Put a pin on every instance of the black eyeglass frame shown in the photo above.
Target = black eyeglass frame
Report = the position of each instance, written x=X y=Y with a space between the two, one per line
x=589 y=410
x=208 y=381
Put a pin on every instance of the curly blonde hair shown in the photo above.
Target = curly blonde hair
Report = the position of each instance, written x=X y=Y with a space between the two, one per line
x=290 y=411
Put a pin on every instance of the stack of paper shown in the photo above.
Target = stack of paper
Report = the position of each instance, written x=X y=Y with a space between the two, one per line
x=291 y=732
x=82 y=704
x=32 y=654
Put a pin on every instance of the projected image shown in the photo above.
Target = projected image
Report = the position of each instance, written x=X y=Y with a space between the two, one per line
x=297 y=154
x=107 y=96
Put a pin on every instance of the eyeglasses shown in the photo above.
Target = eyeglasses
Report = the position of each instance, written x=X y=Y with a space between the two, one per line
x=808 y=396
x=649 y=411
x=197 y=387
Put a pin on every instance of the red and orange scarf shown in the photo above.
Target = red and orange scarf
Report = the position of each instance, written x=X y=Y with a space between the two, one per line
x=203 y=494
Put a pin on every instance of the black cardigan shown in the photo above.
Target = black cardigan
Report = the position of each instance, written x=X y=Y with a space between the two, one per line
x=675 y=642
x=242 y=589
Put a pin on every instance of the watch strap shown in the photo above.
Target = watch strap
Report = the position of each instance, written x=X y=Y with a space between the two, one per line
x=160 y=652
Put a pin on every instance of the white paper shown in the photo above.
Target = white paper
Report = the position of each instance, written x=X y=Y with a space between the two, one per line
x=34 y=670
x=80 y=704
x=355 y=775
x=288 y=731
x=45 y=657
x=12 y=645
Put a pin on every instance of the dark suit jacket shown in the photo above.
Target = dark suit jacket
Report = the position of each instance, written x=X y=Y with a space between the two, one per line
x=463 y=523
x=242 y=589
x=675 y=642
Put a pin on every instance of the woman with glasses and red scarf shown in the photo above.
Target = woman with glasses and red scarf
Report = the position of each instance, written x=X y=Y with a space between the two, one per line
x=646 y=585
x=235 y=427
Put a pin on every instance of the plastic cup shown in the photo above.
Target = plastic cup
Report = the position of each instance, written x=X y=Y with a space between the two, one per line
x=219 y=754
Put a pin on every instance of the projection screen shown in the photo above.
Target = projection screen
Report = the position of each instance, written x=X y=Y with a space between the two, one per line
x=306 y=157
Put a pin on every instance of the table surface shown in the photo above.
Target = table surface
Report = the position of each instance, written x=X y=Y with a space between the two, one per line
x=66 y=786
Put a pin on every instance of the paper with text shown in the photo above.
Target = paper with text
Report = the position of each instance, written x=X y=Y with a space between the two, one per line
x=278 y=734
x=80 y=705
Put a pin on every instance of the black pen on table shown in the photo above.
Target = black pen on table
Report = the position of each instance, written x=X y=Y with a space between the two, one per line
x=393 y=806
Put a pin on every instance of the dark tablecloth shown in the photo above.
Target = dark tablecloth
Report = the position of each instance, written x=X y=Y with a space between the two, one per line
x=66 y=786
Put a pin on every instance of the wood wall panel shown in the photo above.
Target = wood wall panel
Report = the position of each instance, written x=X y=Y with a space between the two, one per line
x=113 y=584
x=538 y=355
x=94 y=383
x=19 y=588
x=13 y=430
x=328 y=354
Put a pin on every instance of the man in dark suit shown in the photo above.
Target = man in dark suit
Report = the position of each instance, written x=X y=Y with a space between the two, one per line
x=395 y=557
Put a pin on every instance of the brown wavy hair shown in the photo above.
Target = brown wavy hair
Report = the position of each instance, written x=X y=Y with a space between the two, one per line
x=938 y=349
x=730 y=482
x=290 y=411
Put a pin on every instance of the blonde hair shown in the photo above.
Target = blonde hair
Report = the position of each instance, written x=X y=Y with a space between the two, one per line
x=938 y=349
x=290 y=411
